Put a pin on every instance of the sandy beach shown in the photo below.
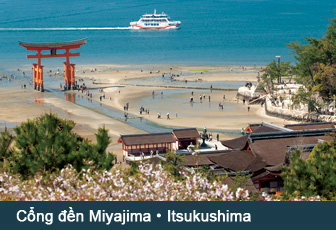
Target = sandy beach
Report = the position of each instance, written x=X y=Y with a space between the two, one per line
x=234 y=115
x=18 y=105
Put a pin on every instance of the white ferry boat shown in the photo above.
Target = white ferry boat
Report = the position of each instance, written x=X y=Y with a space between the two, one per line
x=155 y=21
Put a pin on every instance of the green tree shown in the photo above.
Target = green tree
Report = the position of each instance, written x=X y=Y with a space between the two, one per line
x=271 y=73
x=103 y=160
x=134 y=168
x=306 y=97
x=172 y=164
x=6 y=140
x=314 y=176
x=325 y=81
x=47 y=143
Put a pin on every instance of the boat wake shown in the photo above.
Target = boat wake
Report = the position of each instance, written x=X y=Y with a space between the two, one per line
x=67 y=28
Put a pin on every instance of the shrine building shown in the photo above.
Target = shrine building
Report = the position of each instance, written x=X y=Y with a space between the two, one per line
x=158 y=143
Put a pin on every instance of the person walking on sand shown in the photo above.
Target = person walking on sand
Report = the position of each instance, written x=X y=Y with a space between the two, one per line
x=248 y=108
x=168 y=118
x=209 y=98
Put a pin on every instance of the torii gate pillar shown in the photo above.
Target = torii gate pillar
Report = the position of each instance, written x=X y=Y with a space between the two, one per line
x=35 y=73
x=69 y=75
x=40 y=74
x=38 y=77
x=72 y=76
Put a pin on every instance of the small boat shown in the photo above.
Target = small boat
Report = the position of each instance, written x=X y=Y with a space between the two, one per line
x=155 y=21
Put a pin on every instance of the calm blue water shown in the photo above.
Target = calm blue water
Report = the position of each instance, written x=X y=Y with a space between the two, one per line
x=242 y=32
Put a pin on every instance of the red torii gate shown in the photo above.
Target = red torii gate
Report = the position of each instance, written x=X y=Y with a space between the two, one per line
x=69 y=69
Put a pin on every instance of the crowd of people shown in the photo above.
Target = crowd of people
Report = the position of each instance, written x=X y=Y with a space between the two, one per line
x=143 y=110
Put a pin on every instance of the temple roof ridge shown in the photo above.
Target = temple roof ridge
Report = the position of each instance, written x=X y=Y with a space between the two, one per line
x=306 y=124
x=53 y=44
x=288 y=134
x=271 y=125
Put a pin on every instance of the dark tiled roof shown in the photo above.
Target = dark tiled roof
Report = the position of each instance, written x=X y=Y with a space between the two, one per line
x=235 y=160
x=248 y=184
x=268 y=151
x=141 y=139
x=308 y=126
x=259 y=176
x=237 y=143
x=256 y=165
x=273 y=151
x=288 y=134
x=263 y=129
x=186 y=133
x=191 y=160
x=275 y=168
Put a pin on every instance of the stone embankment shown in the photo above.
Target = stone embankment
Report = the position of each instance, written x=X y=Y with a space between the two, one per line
x=251 y=94
x=299 y=113
x=247 y=92
x=281 y=105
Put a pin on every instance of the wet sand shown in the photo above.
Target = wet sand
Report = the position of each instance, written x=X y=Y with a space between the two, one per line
x=18 y=105
x=233 y=117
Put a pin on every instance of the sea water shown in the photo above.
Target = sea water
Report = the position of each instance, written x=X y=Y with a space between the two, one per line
x=216 y=32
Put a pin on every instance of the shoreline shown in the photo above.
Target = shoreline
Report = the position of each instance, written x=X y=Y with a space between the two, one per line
x=173 y=100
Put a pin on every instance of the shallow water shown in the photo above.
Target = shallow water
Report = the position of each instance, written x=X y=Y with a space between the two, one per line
x=132 y=120
x=8 y=125
x=137 y=122
x=179 y=100
x=167 y=82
